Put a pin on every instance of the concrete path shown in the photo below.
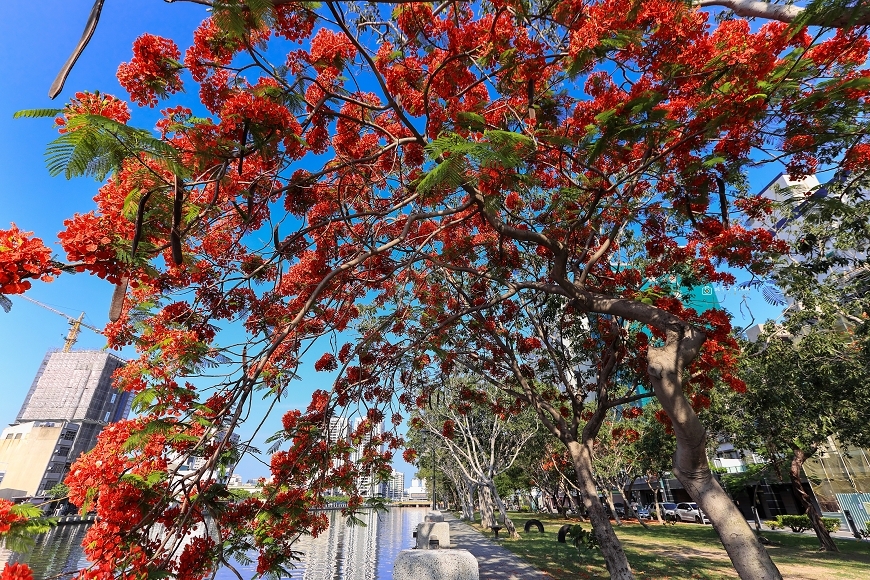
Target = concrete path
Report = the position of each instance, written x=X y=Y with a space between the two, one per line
x=495 y=562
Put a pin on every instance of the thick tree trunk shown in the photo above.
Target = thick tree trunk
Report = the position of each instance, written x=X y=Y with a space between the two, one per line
x=666 y=366
x=825 y=541
x=611 y=548
x=487 y=514
x=502 y=512
x=855 y=15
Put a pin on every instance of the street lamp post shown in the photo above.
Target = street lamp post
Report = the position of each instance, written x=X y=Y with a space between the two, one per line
x=433 y=476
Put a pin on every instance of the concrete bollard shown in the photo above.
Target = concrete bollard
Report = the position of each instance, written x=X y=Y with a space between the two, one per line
x=435 y=565
x=433 y=531
x=434 y=516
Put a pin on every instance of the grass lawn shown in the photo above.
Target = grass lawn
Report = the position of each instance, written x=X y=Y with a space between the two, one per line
x=683 y=551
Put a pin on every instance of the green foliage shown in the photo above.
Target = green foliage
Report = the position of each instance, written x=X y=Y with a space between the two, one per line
x=236 y=18
x=21 y=535
x=801 y=523
x=453 y=152
x=737 y=482
x=584 y=540
x=37 y=113
x=96 y=146
x=59 y=491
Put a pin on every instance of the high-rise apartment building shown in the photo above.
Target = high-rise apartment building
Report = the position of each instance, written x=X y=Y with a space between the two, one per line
x=339 y=428
x=69 y=402
x=366 y=483
x=396 y=486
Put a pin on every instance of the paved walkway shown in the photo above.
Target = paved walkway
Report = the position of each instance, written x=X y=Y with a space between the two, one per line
x=495 y=562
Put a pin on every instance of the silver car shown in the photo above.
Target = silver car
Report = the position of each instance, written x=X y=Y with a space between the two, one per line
x=690 y=512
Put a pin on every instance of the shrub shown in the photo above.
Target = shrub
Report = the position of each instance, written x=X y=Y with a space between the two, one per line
x=802 y=523
x=584 y=540
x=797 y=524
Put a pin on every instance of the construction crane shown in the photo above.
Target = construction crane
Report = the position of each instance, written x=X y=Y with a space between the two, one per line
x=75 y=324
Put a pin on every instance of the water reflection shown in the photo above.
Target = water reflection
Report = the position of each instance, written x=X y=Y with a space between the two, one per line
x=341 y=553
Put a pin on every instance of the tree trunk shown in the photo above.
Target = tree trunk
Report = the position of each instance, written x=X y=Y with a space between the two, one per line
x=656 y=501
x=666 y=366
x=487 y=516
x=468 y=502
x=629 y=504
x=755 y=506
x=574 y=507
x=825 y=541
x=608 y=497
x=499 y=503
x=611 y=548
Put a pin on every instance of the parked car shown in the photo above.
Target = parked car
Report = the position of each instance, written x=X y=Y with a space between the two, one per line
x=668 y=511
x=690 y=512
x=620 y=508
x=644 y=511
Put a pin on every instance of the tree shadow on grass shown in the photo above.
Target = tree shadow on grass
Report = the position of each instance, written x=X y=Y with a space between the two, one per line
x=685 y=551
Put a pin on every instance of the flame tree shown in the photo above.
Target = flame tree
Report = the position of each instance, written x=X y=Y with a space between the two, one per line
x=343 y=151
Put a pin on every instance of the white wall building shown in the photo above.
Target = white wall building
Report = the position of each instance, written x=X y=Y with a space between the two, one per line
x=418 y=490
x=396 y=487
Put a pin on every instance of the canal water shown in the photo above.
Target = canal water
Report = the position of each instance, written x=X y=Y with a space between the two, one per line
x=340 y=553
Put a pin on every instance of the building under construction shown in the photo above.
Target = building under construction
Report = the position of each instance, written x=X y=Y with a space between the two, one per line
x=68 y=404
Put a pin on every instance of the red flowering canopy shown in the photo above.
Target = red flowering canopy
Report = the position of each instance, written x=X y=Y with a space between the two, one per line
x=343 y=155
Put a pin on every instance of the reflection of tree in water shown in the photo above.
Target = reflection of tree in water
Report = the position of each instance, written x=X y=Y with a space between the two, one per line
x=340 y=553
x=359 y=552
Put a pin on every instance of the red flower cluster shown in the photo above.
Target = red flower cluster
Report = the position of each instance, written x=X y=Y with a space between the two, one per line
x=23 y=257
x=86 y=103
x=154 y=70
x=7 y=517
x=329 y=48
x=16 y=572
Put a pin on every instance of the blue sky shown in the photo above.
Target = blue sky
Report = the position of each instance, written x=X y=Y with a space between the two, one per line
x=35 y=40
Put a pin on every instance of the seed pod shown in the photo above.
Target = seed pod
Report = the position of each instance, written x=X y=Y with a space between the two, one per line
x=118 y=295
x=175 y=234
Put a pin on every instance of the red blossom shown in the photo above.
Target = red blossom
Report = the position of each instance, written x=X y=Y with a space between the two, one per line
x=16 y=571
x=23 y=258
x=154 y=70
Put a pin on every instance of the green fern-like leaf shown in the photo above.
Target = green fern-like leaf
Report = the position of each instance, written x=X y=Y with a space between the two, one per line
x=450 y=173
x=37 y=113
x=97 y=146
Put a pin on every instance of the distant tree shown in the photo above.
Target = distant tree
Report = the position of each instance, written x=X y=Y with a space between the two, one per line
x=806 y=380
x=484 y=433
x=654 y=449
x=59 y=491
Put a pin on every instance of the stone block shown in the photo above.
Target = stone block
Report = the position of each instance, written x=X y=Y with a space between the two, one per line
x=434 y=516
x=435 y=565
x=427 y=531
